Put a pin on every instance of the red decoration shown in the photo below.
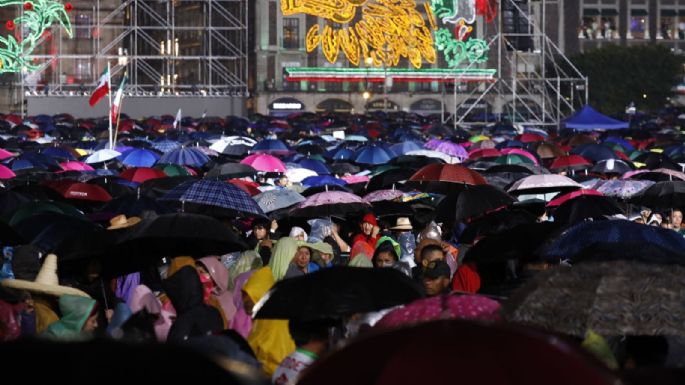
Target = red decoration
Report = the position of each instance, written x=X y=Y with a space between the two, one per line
x=28 y=6
x=487 y=8
x=10 y=25
x=68 y=7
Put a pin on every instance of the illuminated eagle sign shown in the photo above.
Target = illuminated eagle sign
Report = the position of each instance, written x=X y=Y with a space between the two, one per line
x=387 y=30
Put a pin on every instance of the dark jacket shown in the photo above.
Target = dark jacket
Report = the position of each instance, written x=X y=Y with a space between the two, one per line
x=193 y=317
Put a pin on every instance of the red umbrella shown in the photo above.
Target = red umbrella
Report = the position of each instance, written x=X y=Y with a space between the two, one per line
x=570 y=161
x=453 y=173
x=141 y=174
x=529 y=138
x=484 y=153
x=460 y=352
x=251 y=188
x=558 y=201
x=82 y=191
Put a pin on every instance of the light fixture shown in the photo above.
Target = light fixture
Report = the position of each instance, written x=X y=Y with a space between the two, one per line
x=366 y=95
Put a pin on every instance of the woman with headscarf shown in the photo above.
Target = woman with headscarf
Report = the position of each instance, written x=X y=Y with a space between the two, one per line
x=78 y=321
x=214 y=277
x=269 y=338
x=283 y=254
x=298 y=233
x=143 y=299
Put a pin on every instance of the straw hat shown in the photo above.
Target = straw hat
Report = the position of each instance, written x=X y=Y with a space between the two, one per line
x=121 y=222
x=46 y=281
x=402 y=223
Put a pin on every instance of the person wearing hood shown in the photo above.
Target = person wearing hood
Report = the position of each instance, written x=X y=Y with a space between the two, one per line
x=386 y=253
x=269 y=338
x=369 y=231
x=241 y=322
x=283 y=254
x=214 y=277
x=193 y=316
x=78 y=322
x=309 y=258
x=143 y=299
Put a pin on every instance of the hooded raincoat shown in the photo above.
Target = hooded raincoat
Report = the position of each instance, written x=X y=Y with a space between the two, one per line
x=283 y=254
x=75 y=312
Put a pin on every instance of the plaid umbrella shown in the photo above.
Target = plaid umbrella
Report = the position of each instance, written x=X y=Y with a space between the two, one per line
x=166 y=145
x=273 y=200
x=212 y=197
x=329 y=203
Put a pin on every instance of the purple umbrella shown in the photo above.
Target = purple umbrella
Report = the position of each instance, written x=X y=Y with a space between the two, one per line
x=452 y=149
x=330 y=203
x=382 y=195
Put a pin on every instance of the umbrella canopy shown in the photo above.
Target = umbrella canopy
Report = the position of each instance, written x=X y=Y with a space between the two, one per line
x=571 y=162
x=249 y=187
x=523 y=356
x=662 y=195
x=73 y=166
x=477 y=200
x=611 y=166
x=614 y=298
x=277 y=199
x=657 y=175
x=434 y=154
x=594 y=152
x=585 y=207
x=6 y=173
x=80 y=191
x=139 y=157
x=563 y=198
x=521 y=152
x=442 y=307
x=231 y=170
x=166 y=145
x=141 y=174
x=264 y=162
x=617 y=239
x=315 y=165
x=297 y=175
x=372 y=154
x=452 y=173
x=102 y=156
x=271 y=146
x=186 y=156
x=543 y=183
x=383 y=195
x=48 y=229
x=404 y=147
x=451 y=149
x=494 y=223
x=212 y=197
x=484 y=153
x=30 y=209
x=330 y=203
x=173 y=169
x=134 y=205
x=321 y=180
x=337 y=292
x=623 y=188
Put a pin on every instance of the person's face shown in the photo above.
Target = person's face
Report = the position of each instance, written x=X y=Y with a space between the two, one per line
x=435 y=286
x=677 y=218
x=91 y=323
x=385 y=259
x=367 y=228
x=434 y=256
x=300 y=237
x=327 y=258
x=260 y=233
x=248 y=304
x=302 y=257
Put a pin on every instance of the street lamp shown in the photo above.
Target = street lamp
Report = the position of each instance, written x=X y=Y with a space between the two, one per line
x=366 y=95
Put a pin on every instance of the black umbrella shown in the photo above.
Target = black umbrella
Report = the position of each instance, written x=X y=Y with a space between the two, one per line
x=662 y=195
x=171 y=235
x=337 y=292
x=9 y=237
x=495 y=223
x=155 y=188
x=47 y=230
x=587 y=207
x=475 y=201
x=10 y=200
x=392 y=208
x=341 y=168
x=134 y=204
x=231 y=170
x=389 y=178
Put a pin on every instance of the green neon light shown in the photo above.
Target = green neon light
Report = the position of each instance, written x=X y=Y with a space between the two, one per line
x=390 y=71
x=457 y=51
x=37 y=17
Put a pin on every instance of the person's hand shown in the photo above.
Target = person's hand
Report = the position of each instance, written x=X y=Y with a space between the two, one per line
x=108 y=314
x=375 y=231
x=274 y=225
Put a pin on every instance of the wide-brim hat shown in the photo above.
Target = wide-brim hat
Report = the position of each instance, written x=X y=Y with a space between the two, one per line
x=402 y=223
x=46 y=281
x=121 y=222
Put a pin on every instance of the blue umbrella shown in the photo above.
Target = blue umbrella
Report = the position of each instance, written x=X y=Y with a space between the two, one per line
x=372 y=155
x=277 y=199
x=271 y=146
x=621 y=142
x=405 y=147
x=33 y=161
x=58 y=152
x=594 y=152
x=166 y=145
x=321 y=180
x=617 y=239
x=213 y=198
x=314 y=165
x=139 y=158
x=341 y=154
x=510 y=144
x=185 y=156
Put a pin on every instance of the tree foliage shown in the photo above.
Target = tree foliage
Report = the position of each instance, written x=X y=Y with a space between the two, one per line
x=619 y=75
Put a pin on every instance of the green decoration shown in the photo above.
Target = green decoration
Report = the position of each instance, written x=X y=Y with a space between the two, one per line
x=38 y=16
x=457 y=51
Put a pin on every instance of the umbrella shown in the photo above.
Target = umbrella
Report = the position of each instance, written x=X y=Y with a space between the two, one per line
x=594 y=152
x=513 y=159
x=249 y=187
x=212 y=197
x=80 y=191
x=535 y=184
x=6 y=173
x=224 y=144
x=662 y=195
x=231 y=170
x=173 y=169
x=156 y=188
x=484 y=153
x=388 y=179
x=337 y=292
x=434 y=154
x=383 y=195
x=341 y=154
x=614 y=298
x=134 y=205
x=330 y=203
x=563 y=198
x=520 y=152
x=658 y=175
x=186 y=156
x=623 y=188
x=494 y=223
x=611 y=166
x=452 y=173
x=29 y=209
x=102 y=156
x=277 y=199
x=60 y=153
x=571 y=162
x=141 y=174
x=271 y=146
x=139 y=158
x=341 y=168
x=475 y=201
x=529 y=137
x=460 y=351
x=405 y=147
x=322 y=180
x=585 y=207
x=30 y=161
x=442 y=307
x=520 y=242
x=166 y=145
x=264 y=162
x=48 y=229
x=73 y=165
x=372 y=154
x=297 y=175
x=314 y=165
x=617 y=239
x=170 y=235
x=546 y=150
x=451 y=149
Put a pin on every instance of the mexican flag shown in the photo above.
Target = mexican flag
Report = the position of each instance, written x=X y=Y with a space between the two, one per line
x=116 y=103
x=102 y=88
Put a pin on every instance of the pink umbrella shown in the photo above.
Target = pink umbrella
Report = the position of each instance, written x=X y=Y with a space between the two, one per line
x=264 y=162
x=6 y=173
x=350 y=179
x=75 y=166
x=484 y=153
x=574 y=194
x=4 y=154
x=521 y=152
x=443 y=307
x=330 y=203
x=671 y=174
x=383 y=195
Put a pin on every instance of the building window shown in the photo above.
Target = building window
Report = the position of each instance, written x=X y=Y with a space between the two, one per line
x=82 y=26
x=638 y=20
x=83 y=70
x=291 y=33
x=599 y=24
x=668 y=24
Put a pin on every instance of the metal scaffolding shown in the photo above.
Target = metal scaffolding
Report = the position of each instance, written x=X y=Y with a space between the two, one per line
x=168 y=48
x=536 y=83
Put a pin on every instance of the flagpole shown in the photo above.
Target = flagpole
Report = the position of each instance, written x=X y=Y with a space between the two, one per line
x=121 y=103
x=109 y=111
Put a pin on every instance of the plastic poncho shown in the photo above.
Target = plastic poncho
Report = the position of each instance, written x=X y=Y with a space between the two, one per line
x=75 y=312
x=283 y=254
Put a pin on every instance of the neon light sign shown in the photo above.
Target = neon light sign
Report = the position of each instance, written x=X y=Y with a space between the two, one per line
x=381 y=32
x=37 y=17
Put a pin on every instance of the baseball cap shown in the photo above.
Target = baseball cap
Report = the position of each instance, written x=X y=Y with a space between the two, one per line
x=436 y=269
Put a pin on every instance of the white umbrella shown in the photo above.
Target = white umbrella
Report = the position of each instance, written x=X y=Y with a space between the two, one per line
x=296 y=175
x=102 y=156
x=435 y=154
x=224 y=142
